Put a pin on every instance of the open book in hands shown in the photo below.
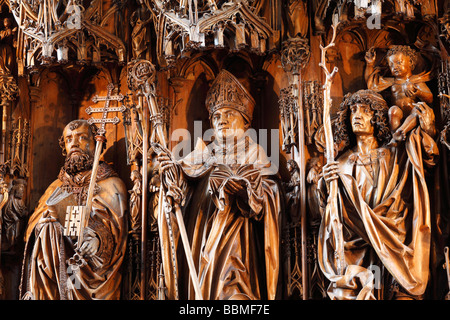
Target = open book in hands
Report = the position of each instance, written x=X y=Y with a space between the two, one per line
x=246 y=175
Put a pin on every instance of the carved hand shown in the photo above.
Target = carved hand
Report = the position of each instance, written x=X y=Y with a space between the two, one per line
x=166 y=163
x=330 y=171
x=426 y=117
x=90 y=244
x=235 y=186
x=410 y=90
x=399 y=136
x=154 y=184
x=51 y=212
x=371 y=56
x=171 y=177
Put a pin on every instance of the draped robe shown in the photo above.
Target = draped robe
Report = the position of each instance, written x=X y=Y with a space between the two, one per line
x=46 y=275
x=384 y=204
x=234 y=240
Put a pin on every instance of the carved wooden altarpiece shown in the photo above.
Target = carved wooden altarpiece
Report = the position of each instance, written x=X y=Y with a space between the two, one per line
x=297 y=59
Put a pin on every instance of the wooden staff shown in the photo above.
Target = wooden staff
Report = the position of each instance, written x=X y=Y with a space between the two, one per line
x=331 y=210
x=145 y=132
x=100 y=139
x=148 y=90
x=85 y=215
x=174 y=205
x=301 y=160
x=447 y=268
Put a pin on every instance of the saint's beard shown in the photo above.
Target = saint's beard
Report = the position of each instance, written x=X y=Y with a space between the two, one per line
x=78 y=162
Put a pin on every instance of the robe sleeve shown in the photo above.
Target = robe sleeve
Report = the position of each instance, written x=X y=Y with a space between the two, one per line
x=108 y=221
x=40 y=209
x=272 y=212
x=378 y=83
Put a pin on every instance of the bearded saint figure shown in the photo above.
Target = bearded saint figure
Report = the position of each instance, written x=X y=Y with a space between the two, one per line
x=46 y=274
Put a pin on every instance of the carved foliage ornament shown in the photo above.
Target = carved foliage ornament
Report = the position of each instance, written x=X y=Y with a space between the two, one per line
x=141 y=73
x=50 y=26
x=445 y=26
x=8 y=87
x=184 y=27
x=295 y=55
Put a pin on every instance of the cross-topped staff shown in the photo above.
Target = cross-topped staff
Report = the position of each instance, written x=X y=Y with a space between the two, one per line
x=100 y=139
x=106 y=109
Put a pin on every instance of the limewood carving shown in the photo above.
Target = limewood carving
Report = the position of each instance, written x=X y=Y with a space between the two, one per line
x=268 y=149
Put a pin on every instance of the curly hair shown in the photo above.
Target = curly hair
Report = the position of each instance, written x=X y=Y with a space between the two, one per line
x=74 y=125
x=380 y=120
x=407 y=51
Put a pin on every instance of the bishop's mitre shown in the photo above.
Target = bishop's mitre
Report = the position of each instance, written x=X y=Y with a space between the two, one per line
x=227 y=92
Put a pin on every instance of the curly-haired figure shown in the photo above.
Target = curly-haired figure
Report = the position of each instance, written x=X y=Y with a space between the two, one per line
x=407 y=89
x=383 y=203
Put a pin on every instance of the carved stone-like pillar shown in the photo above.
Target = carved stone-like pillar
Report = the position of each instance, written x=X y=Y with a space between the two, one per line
x=5 y=113
x=294 y=57
x=9 y=91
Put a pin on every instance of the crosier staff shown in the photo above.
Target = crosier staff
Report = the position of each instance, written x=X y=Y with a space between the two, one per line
x=171 y=205
x=143 y=73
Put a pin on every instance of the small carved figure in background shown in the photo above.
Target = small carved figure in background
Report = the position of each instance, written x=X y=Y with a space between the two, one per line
x=135 y=202
x=140 y=36
x=314 y=173
x=293 y=190
x=298 y=20
x=14 y=214
x=7 y=58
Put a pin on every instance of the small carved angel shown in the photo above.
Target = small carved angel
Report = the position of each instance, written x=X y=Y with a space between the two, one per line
x=409 y=91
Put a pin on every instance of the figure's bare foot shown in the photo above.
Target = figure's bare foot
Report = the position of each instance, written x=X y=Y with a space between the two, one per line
x=399 y=136
x=392 y=143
